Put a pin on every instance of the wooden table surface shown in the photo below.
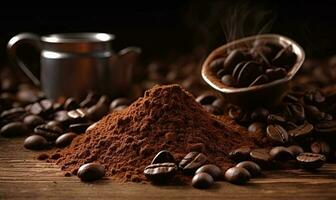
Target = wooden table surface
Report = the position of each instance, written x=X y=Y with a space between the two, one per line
x=24 y=177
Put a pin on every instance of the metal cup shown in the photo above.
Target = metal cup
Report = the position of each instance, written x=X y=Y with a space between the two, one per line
x=74 y=63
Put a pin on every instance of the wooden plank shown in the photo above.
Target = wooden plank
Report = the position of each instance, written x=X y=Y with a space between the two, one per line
x=24 y=177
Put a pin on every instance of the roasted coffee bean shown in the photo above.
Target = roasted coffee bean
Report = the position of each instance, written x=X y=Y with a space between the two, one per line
x=252 y=167
x=249 y=73
x=237 y=175
x=97 y=111
x=276 y=119
x=301 y=131
x=79 y=127
x=321 y=147
x=326 y=127
x=57 y=107
x=89 y=100
x=262 y=79
x=314 y=97
x=71 y=104
x=62 y=117
x=285 y=58
x=35 y=142
x=42 y=108
x=13 y=129
x=295 y=150
x=277 y=134
x=236 y=113
x=275 y=73
x=217 y=64
x=119 y=102
x=280 y=153
x=192 y=161
x=65 y=139
x=290 y=98
x=120 y=108
x=77 y=115
x=31 y=121
x=228 y=80
x=91 y=172
x=237 y=69
x=160 y=172
x=202 y=180
x=55 y=123
x=240 y=154
x=163 y=156
x=219 y=103
x=206 y=99
x=91 y=127
x=314 y=114
x=12 y=115
x=310 y=161
x=261 y=157
x=233 y=58
x=211 y=169
x=256 y=127
x=260 y=114
x=220 y=73
x=295 y=111
x=212 y=109
x=51 y=133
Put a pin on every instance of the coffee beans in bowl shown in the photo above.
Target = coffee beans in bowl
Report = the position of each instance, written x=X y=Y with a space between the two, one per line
x=249 y=69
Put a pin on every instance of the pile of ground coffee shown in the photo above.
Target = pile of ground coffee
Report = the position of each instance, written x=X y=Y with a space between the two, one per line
x=166 y=118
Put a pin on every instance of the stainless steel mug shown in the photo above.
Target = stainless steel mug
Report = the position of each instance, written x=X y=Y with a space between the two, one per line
x=74 y=63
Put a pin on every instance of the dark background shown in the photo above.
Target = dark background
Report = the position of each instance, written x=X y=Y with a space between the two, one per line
x=177 y=27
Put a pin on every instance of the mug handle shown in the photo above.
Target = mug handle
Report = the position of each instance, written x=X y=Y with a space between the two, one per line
x=14 y=43
x=128 y=56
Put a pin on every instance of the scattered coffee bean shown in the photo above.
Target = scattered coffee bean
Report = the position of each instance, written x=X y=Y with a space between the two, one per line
x=261 y=157
x=237 y=175
x=89 y=100
x=232 y=60
x=71 y=104
x=325 y=127
x=77 y=115
x=192 y=161
x=163 y=156
x=31 y=121
x=280 y=153
x=277 y=134
x=206 y=99
x=51 y=133
x=252 y=167
x=35 y=142
x=42 y=108
x=97 y=111
x=240 y=154
x=79 y=128
x=212 y=170
x=260 y=114
x=276 y=119
x=295 y=150
x=119 y=102
x=65 y=139
x=311 y=161
x=301 y=131
x=13 y=129
x=91 y=172
x=202 y=180
x=12 y=115
x=321 y=147
x=160 y=172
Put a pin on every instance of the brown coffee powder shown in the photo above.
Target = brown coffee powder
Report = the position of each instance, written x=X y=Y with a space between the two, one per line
x=167 y=117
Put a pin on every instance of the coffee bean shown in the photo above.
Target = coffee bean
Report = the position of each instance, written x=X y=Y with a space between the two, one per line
x=35 y=142
x=277 y=134
x=240 y=154
x=42 y=108
x=212 y=170
x=252 y=167
x=91 y=172
x=13 y=129
x=256 y=127
x=89 y=100
x=326 y=127
x=12 y=115
x=285 y=58
x=237 y=69
x=77 y=115
x=192 y=161
x=97 y=111
x=202 y=180
x=119 y=102
x=249 y=73
x=206 y=99
x=321 y=147
x=65 y=139
x=71 y=104
x=55 y=123
x=58 y=107
x=233 y=58
x=262 y=79
x=31 y=121
x=163 y=156
x=79 y=127
x=219 y=103
x=220 y=73
x=314 y=97
x=261 y=157
x=212 y=109
x=276 y=119
x=236 y=113
x=301 y=131
x=276 y=73
x=91 y=127
x=280 y=153
x=62 y=117
x=228 y=80
x=295 y=150
x=310 y=161
x=260 y=114
x=51 y=133
x=314 y=114
x=160 y=172
x=295 y=111
x=217 y=64
x=237 y=175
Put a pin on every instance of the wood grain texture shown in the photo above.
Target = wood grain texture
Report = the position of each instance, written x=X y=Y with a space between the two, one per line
x=24 y=177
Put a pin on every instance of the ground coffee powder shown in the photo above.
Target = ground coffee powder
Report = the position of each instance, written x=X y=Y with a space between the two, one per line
x=166 y=118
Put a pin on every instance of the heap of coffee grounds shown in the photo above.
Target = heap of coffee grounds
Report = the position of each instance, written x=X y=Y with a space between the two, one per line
x=166 y=118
